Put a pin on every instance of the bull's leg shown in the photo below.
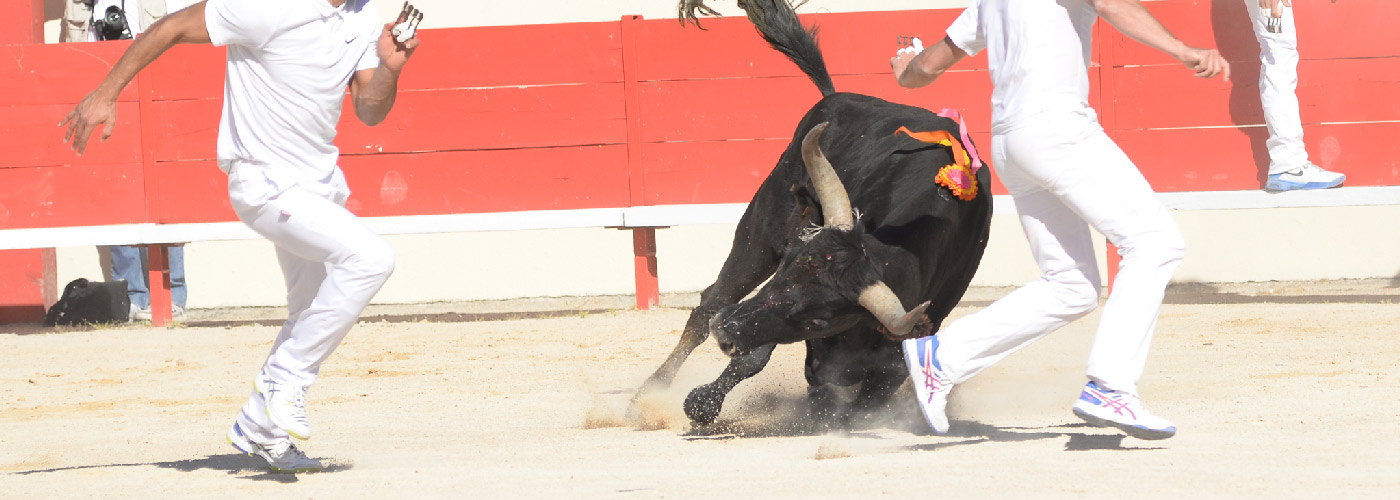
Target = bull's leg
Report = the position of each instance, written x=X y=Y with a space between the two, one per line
x=703 y=403
x=830 y=364
x=752 y=259
x=882 y=379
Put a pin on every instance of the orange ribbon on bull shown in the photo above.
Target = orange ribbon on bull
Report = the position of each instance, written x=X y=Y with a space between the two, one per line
x=957 y=177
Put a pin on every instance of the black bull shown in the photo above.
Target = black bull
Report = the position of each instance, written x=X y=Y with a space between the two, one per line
x=846 y=285
x=912 y=234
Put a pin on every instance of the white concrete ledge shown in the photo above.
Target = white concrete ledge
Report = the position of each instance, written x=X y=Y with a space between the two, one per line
x=652 y=216
x=1257 y=198
x=680 y=215
x=145 y=234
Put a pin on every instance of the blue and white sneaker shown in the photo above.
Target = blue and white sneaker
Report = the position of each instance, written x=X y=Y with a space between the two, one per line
x=1108 y=408
x=931 y=383
x=1305 y=177
x=282 y=457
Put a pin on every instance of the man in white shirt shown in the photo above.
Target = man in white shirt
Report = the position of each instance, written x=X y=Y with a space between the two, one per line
x=1065 y=176
x=289 y=63
x=1289 y=167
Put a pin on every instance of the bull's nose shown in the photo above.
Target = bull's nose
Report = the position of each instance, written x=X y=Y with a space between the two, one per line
x=721 y=335
x=725 y=346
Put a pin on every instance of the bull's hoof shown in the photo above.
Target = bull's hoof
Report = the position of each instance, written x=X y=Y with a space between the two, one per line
x=703 y=403
x=825 y=413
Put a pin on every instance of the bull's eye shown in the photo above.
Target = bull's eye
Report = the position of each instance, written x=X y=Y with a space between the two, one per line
x=816 y=324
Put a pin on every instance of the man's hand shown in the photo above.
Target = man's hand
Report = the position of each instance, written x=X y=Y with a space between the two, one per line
x=1275 y=6
x=916 y=67
x=393 y=54
x=1205 y=62
x=95 y=109
x=900 y=62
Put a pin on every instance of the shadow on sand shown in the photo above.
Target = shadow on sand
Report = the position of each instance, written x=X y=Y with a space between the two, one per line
x=232 y=464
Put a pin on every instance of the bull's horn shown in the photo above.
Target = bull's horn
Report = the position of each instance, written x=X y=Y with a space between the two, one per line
x=882 y=302
x=836 y=204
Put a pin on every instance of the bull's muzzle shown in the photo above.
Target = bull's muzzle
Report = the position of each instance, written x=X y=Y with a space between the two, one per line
x=723 y=328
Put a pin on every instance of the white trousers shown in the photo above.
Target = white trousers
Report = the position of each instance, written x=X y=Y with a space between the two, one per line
x=333 y=265
x=1278 y=85
x=1066 y=176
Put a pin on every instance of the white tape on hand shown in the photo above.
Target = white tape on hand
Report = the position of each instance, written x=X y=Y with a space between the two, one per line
x=400 y=30
x=918 y=46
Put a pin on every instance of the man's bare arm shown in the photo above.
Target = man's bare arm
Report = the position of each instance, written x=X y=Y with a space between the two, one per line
x=1132 y=19
x=917 y=70
x=374 y=91
x=100 y=107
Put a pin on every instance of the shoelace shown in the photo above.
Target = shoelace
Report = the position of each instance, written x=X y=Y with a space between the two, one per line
x=296 y=452
x=1118 y=402
x=286 y=449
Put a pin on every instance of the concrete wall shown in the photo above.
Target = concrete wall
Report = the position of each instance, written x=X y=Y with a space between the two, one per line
x=1237 y=245
x=1222 y=246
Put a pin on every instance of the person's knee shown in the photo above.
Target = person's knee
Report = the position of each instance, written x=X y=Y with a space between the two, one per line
x=1077 y=291
x=374 y=261
x=1161 y=249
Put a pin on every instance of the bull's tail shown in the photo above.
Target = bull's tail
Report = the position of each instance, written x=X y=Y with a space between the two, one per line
x=776 y=21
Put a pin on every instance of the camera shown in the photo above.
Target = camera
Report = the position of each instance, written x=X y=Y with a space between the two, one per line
x=112 y=25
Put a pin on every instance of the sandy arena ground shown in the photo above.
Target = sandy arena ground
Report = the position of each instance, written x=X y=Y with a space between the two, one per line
x=1279 y=391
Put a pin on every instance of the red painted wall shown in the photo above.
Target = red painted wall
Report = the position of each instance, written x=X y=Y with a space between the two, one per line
x=536 y=117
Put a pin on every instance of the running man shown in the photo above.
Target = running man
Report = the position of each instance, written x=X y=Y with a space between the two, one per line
x=1065 y=176
x=289 y=63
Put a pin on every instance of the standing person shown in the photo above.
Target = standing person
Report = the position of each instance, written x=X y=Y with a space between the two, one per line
x=1289 y=167
x=127 y=260
x=289 y=62
x=136 y=15
x=1065 y=176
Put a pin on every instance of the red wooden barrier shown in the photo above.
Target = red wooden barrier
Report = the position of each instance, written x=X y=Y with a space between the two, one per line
x=645 y=112
x=27 y=282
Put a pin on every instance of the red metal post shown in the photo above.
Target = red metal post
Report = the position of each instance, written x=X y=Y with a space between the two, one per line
x=1113 y=261
x=644 y=261
x=643 y=238
x=158 y=265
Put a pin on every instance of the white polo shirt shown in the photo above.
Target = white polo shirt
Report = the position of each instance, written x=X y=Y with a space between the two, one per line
x=289 y=65
x=1038 y=52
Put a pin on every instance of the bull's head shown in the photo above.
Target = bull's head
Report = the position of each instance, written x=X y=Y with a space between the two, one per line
x=826 y=283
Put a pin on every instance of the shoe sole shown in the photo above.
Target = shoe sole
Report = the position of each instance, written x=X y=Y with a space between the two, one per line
x=270 y=466
x=236 y=447
x=1137 y=432
x=1293 y=186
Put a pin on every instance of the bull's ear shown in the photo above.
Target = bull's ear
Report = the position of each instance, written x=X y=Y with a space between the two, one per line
x=806 y=203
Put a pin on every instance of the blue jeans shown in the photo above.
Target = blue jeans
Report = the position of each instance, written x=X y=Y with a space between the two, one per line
x=127 y=264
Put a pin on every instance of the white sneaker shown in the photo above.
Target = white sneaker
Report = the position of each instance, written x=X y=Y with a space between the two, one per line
x=931 y=383
x=282 y=457
x=286 y=406
x=1107 y=408
x=1305 y=177
x=177 y=313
